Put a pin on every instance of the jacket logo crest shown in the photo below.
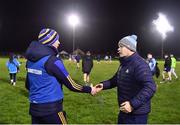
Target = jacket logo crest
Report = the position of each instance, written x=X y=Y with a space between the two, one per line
x=127 y=71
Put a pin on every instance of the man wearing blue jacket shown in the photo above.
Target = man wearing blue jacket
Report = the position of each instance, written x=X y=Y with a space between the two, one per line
x=45 y=76
x=152 y=63
x=134 y=82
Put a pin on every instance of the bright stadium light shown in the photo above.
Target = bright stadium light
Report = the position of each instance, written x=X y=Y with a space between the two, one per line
x=163 y=26
x=73 y=21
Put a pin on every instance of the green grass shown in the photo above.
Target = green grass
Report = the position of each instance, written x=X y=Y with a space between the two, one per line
x=84 y=108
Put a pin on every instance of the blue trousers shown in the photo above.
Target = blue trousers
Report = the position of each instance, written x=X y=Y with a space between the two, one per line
x=132 y=119
x=12 y=76
x=56 y=118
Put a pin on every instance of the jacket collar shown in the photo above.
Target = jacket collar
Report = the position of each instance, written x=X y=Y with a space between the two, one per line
x=126 y=60
x=36 y=51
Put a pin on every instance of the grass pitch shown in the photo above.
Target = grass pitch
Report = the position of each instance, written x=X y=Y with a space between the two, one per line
x=84 y=108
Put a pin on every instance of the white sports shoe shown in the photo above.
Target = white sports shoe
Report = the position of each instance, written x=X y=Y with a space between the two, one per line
x=11 y=81
x=162 y=81
x=14 y=83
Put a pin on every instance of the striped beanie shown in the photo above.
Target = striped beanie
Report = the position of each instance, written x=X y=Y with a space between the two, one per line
x=48 y=36
x=130 y=42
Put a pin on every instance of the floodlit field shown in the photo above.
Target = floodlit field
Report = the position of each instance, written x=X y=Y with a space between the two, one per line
x=84 y=108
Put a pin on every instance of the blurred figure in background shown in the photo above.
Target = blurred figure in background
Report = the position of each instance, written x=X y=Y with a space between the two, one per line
x=77 y=58
x=13 y=68
x=152 y=63
x=173 y=65
x=167 y=69
x=110 y=59
x=98 y=59
x=106 y=58
x=87 y=65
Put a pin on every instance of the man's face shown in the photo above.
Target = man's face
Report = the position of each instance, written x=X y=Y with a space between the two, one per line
x=166 y=56
x=56 y=44
x=149 y=56
x=123 y=51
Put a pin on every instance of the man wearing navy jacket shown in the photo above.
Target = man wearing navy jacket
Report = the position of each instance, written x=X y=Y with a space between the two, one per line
x=134 y=82
x=45 y=76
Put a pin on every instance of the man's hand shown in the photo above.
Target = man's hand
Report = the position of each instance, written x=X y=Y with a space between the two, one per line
x=96 y=89
x=99 y=87
x=126 y=107
x=93 y=91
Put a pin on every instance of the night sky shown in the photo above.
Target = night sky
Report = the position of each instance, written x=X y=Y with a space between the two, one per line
x=103 y=24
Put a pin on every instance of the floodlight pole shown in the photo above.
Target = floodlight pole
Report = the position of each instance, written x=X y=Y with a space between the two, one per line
x=162 y=49
x=73 y=20
x=73 y=38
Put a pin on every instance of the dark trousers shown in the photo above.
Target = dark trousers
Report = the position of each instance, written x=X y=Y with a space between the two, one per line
x=12 y=76
x=56 y=118
x=132 y=119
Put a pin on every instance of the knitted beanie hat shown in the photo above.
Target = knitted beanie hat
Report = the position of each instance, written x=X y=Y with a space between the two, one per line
x=48 y=36
x=129 y=42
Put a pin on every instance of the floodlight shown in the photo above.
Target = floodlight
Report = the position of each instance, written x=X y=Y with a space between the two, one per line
x=162 y=25
x=73 y=20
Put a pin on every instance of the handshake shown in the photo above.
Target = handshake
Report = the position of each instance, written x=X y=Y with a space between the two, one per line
x=124 y=107
x=95 y=89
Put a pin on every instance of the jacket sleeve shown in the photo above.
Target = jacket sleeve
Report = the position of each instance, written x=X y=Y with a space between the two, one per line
x=16 y=62
x=111 y=83
x=152 y=64
x=144 y=78
x=56 y=68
